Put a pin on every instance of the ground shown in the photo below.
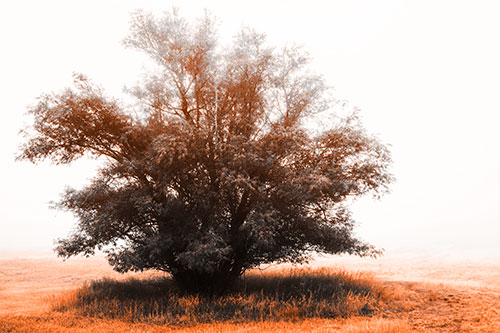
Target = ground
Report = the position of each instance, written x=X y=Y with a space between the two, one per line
x=425 y=294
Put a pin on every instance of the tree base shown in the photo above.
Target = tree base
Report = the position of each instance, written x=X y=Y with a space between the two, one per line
x=205 y=283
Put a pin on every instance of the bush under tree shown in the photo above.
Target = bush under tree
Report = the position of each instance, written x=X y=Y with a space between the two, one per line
x=213 y=171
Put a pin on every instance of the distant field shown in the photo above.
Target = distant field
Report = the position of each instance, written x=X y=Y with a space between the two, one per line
x=406 y=294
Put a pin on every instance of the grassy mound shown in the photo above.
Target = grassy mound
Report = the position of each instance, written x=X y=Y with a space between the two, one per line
x=294 y=294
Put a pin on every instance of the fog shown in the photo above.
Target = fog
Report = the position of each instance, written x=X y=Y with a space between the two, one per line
x=425 y=75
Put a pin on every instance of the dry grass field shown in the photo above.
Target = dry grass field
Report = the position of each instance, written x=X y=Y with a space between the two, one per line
x=389 y=294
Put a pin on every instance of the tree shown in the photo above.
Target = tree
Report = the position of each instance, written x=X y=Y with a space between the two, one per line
x=214 y=172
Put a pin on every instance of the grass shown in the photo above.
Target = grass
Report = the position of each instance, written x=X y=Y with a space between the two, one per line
x=289 y=295
x=51 y=296
x=64 y=323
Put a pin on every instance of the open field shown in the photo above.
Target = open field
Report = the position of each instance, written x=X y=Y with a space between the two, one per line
x=405 y=294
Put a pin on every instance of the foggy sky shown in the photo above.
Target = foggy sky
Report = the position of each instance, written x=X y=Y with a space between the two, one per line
x=426 y=76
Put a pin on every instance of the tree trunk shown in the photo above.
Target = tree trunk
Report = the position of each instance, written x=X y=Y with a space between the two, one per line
x=192 y=281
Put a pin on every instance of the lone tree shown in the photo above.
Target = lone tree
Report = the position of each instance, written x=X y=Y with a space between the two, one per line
x=213 y=172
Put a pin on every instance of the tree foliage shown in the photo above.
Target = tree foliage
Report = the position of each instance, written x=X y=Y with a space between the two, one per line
x=213 y=171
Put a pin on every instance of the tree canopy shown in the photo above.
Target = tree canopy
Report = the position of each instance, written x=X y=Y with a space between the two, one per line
x=213 y=171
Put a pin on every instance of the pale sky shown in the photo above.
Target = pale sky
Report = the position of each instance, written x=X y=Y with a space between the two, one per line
x=425 y=74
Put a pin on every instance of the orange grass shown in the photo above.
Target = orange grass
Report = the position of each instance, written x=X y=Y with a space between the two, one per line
x=42 y=295
x=287 y=295
x=63 y=323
